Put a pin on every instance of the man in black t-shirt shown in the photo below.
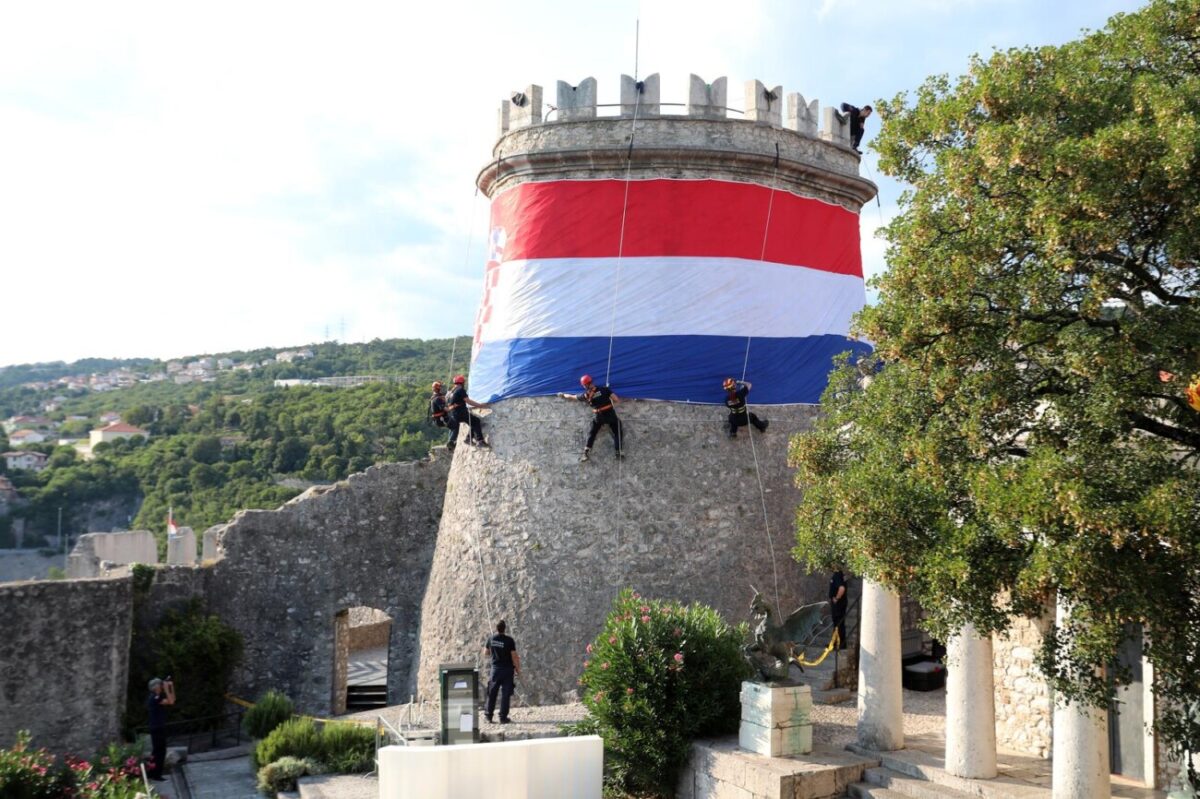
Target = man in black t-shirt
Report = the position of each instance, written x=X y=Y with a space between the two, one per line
x=162 y=695
x=858 y=119
x=458 y=414
x=601 y=399
x=735 y=400
x=837 y=605
x=506 y=664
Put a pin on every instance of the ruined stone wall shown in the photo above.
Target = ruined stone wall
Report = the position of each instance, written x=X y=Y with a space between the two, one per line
x=64 y=660
x=136 y=546
x=282 y=577
x=1024 y=706
x=531 y=535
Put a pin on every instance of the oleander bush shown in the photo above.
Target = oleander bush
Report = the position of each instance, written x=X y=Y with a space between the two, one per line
x=272 y=709
x=659 y=675
x=28 y=773
x=282 y=774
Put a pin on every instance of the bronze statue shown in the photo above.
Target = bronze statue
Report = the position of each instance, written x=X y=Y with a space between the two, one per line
x=774 y=647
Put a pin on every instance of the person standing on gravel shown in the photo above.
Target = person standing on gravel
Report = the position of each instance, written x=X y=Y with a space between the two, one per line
x=506 y=665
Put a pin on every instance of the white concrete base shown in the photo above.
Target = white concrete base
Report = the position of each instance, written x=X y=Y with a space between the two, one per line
x=776 y=719
x=970 y=707
x=543 y=768
x=880 y=692
x=181 y=548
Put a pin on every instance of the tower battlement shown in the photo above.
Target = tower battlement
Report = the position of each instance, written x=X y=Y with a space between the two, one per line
x=704 y=100
x=778 y=140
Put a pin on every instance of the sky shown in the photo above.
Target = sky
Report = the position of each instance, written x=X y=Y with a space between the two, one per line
x=180 y=179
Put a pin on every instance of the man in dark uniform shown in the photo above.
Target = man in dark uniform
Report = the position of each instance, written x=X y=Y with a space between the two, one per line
x=735 y=400
x=456 y=406
x=858 y=116
x=837 y=605
x=506 y=664
x=162 y=695
x=602 y=400
x=438 y=413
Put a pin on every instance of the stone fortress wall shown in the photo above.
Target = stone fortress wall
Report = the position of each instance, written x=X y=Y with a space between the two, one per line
x=64 y=660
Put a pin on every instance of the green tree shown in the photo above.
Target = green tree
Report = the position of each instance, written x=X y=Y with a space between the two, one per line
x=206 y=449
x=1024 y=428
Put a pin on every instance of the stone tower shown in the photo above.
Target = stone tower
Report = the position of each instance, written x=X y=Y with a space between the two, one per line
x=660 y=248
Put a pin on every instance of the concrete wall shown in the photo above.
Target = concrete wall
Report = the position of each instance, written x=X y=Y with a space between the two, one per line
x=681 y=518
x=282 y=577
x=64 y=660
x=137 y=546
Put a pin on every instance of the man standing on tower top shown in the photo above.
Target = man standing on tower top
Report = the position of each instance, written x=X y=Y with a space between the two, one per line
x=858 y=117
x=602 y=400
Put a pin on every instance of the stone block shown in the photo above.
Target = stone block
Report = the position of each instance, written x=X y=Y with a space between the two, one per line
x=802 y=118
x=642 y=100
x=775 y=706
x=763 y=105
x=775 y=741
x=836 y=127
x=526 y=107
x=577 y=102
x=706 y=100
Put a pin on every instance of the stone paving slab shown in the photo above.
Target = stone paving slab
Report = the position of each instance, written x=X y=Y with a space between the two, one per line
x=222 y=779
x=339 y=786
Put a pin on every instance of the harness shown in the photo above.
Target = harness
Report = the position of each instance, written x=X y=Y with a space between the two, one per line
x=607 y=407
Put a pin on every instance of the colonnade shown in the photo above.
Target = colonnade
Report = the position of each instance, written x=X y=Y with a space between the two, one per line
x=1080 y=736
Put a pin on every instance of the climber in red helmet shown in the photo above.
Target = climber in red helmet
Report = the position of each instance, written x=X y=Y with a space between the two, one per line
x=735 y=400
x=602 y=400
x=456 y=407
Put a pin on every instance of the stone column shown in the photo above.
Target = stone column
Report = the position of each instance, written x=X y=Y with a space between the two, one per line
x=880 y=697
x=970 y=707
x=1080 y=753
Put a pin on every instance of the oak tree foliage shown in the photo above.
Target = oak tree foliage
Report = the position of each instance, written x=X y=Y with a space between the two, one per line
x=1023 y=429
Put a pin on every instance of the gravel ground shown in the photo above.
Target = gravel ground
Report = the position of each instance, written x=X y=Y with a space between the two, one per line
x=833 y=725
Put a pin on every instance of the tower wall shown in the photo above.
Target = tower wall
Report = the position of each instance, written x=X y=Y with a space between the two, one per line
x=527 y=532
x=531 y=535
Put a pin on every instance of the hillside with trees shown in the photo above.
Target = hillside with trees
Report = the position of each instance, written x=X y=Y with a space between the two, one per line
x=235 y=442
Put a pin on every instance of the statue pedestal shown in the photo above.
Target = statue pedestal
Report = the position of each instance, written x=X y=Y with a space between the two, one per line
x=775 y=719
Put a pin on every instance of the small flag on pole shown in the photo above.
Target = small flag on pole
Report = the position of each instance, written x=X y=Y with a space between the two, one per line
x=171 y=528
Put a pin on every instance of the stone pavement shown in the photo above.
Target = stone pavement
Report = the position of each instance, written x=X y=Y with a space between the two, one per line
x=221 y=779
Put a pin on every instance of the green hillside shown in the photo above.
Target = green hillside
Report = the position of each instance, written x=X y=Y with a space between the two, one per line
x=217 y=447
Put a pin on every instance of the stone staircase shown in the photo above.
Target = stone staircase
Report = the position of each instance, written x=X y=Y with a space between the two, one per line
x=919 y=774
x=365 y=697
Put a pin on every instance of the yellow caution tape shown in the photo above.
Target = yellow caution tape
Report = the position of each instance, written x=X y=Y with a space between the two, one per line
x=833 y=640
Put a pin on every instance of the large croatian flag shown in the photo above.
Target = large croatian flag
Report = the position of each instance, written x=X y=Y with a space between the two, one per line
x=692 y=291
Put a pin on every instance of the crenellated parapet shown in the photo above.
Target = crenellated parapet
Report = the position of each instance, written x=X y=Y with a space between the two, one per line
x=703 y=100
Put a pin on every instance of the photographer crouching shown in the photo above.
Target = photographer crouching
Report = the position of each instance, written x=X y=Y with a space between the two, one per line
x=162 y=694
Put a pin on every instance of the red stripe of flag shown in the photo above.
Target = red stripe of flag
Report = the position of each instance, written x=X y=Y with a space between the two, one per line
x=697 y=218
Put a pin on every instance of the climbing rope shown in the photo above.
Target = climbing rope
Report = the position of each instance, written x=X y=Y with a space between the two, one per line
x=762 y=494
x=612 y=326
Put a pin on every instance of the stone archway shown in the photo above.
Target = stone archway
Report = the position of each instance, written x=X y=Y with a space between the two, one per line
x=360 y=664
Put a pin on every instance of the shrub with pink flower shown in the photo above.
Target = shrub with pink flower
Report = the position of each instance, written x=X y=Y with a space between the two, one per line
x=658 y=675
x=36 y=774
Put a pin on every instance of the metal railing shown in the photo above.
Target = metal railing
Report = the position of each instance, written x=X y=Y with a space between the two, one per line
x=203 y=734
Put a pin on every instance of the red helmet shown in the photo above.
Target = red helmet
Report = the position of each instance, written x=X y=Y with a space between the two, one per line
x=730 y=384
x=437 y=385
x=585 y=381
x=459 y=380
